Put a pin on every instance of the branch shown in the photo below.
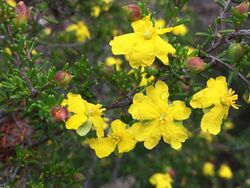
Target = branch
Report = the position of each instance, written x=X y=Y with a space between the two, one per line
x=215 y=59
x=46 y=138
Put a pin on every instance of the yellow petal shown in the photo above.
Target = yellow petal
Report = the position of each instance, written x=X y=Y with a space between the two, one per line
x=103 y=146
x=179 y=111
x=162 y=49
x=216 y=88
x=124 y=44
x=159 y=94
x=143 y=108
x=143 y=54
x=127 y=143
x=174 y=134
x=180 y=30
x=142 y=25
x=148 y=132
x=75 y=103
x=212 y=120
x=118 y=127
x=75 y=121
x=98 y=123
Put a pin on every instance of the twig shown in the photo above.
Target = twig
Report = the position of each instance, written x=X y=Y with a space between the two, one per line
x=46 y=138
x=230 y=36
x=215 y=59
x=221 y=17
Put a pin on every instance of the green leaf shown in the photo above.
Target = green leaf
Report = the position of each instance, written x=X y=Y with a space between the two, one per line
x=84 y=129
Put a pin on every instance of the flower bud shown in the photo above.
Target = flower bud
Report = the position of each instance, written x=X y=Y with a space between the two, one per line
x=235 y=51
x=133 y=12
x=195 y=64
x=242 y=7
x=59 y=113
x=62 y=78
x=22 y=13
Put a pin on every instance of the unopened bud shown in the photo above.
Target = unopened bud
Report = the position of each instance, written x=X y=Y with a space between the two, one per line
x=195 y=64
x=171 y=172
x=22 y=13
x=242 y=7
x=133 y=12
x=62 y=78
x=235 y=51
x=59 y=113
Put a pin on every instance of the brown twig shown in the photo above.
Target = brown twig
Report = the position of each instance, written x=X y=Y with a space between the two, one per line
x=215 y=59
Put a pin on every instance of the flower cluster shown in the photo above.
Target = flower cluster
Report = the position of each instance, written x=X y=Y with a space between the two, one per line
x=153 y=114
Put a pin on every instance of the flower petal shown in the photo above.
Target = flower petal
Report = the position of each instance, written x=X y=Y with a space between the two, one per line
x=75 y=121
x=98 y=123
x=125 y=44
x=127 y=143
x=159 y=94
x=148 y=132
x=162 y=49
x=179 y=110
x=143 y=108
x=75 y=103
x=174 y=134
x=103 y=146
x=212 y=120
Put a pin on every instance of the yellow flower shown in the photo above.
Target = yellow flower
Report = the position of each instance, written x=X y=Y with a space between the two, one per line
x=12 y=3
x=81 y=30
x=95 y=11
x=142 y=46
x=8 y=51
x=177 y=30
x=159 y=118
x=146 y=80
x=110 y=61
x=47 y=31
x=160 y=23
x=161 y=180
x=180 y=30
x=225 y=171
x=208 y=169
x=120 y=136
x=84 y=115
x=228 y=125
x=216 y=100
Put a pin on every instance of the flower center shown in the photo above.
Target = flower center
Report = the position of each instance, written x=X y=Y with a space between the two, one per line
x=230 y=98
x=165 y=118
x=149 y=33
x=115 y=138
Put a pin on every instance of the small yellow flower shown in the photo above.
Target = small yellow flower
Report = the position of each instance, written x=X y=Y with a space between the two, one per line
x=110 y=61
x=8 y=51
x=225 y=171
x=180 y=30
x=120 y=137
x=177 y=30
x=12 y=3
x=159 y=118
x=246 y=98
x=95 y=11
x=84 y=114
x=216 y=100
x=47 y=31
x=161 y=180
x=142 y=46
x=208 y=169
x=228 y=125
x=81 y=30
x=146 y=80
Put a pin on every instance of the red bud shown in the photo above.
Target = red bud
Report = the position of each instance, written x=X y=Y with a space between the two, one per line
x=62 y=78
x=22 y=13
x=195 y=64
x=59 y=113
x=242 y=7
x=133 y=12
